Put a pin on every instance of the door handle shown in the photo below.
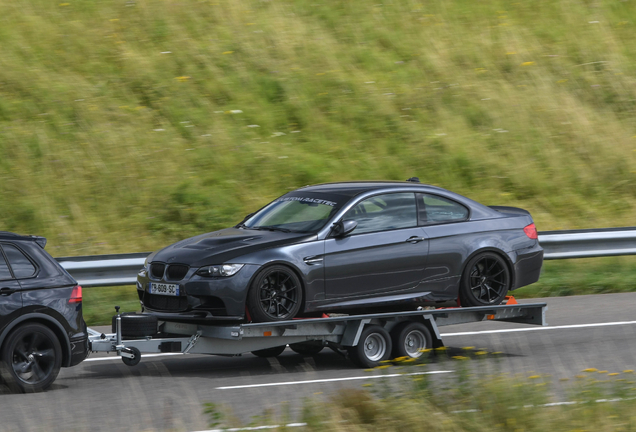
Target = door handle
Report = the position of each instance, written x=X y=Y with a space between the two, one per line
x=7 y=291
x=415 y=239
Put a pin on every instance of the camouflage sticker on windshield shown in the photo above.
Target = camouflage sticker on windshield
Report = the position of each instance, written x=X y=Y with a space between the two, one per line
x=307 y=200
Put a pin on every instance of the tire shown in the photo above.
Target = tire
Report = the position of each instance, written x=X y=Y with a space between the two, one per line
x=31 y=358
x=270 y=352
x=134 y=325
x=486 y=280
x=132 y=361
x=409 y=339
x=275 y=294
x=307 y=348
x=373 y=347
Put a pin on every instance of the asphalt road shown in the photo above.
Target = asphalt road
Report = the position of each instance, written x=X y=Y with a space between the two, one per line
x=167 y=392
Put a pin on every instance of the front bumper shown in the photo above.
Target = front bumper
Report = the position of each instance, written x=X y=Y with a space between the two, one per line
x=200 y=298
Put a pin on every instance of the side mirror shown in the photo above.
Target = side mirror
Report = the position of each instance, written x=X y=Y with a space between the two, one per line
x=344 y=228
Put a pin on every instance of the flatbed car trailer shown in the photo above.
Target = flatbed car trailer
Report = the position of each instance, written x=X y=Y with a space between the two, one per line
x=367 y=338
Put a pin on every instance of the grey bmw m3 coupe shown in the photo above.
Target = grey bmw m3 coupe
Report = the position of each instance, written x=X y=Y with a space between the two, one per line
x=345 y=247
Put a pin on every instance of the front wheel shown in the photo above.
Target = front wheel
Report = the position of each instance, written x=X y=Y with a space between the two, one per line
x=485 y=281
x=275 y=295
x=31 y=358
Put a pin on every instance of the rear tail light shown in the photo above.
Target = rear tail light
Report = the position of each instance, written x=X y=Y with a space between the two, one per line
x=76 y=295
x=531 y=231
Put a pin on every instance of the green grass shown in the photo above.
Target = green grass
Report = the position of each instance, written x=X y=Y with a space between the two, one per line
x=125 y=126
x=476 y=397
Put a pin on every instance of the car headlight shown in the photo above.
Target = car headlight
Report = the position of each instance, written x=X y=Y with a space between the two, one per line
x=220 y=270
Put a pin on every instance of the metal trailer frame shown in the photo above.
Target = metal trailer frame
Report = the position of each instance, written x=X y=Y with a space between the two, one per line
x=338 y=332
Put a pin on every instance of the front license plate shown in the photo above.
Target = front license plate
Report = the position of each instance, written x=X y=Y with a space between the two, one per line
x=164 y=289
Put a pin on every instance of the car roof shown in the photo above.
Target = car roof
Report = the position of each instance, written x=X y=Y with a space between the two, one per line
x=5 y=235
x=351 y=189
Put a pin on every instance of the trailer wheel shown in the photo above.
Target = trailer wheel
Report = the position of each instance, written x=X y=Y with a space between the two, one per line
x=132 y=361
x=270 y=352
x=31 y=358
x=307 y=348
x=373 y=347
x=134 y=325
x=409 y=339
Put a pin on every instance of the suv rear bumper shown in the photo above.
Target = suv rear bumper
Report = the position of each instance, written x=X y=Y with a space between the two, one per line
x=79 y=349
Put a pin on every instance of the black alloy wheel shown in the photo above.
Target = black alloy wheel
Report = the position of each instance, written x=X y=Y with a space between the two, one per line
x=276 y=294
x=31 y=359
x=486 y=281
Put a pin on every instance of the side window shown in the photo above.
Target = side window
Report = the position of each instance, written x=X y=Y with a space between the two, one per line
x=384 y=212
x=20 y=264
x=433 y=209
x=4 y=269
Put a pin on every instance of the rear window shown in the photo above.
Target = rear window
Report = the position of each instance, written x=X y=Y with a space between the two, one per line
x=4 y=269
x=21 y=265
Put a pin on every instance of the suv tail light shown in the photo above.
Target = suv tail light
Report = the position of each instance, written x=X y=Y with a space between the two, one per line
x=531 y=231
x=76 y=295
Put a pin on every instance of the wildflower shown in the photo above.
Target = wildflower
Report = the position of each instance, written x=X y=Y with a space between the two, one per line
x=442 y=348
x=234 y=112
x=628 y=371
x=468 y=348
x=227 y=52
x=383 y=366
x=481 y=353
x=613 y=374
x=534 y=377
x=253 y=126
x=530 y=63
x=460 y=358
x=182 y=78
x=590 y=370
x=320 y=73
x=602 y=372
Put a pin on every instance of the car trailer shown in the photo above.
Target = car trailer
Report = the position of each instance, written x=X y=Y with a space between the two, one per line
x=367 y=338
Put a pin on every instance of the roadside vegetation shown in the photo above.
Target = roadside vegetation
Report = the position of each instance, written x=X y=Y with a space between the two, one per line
x=476 y=397
x=127 y=125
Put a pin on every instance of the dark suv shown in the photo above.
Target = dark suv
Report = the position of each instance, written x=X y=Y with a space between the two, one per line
x=41 y=322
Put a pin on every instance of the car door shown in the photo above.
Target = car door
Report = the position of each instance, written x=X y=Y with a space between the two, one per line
x=447 y=226
x=385 y=253
x=10 y=294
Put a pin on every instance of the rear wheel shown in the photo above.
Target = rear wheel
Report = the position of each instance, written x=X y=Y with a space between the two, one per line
x=31 y=358
x=485 y=281
x=410 y=339
x=275 y=295
x=373 y=347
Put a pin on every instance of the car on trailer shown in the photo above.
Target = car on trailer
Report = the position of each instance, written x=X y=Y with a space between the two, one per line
x=41 y=324
x=345 y=247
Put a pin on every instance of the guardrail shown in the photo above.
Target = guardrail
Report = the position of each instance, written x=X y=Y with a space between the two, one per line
x=112 y=270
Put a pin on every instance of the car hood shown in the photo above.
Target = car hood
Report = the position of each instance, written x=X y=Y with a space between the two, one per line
x=221 y=246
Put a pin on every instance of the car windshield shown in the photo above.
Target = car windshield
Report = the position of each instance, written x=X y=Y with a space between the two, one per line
x=293 y=214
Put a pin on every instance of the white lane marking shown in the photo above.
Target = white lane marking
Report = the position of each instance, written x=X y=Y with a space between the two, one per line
x=570 y=326
x=330 y=380
x=143 y=356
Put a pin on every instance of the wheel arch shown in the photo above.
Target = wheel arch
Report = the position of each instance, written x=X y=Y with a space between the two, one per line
x=47 y=321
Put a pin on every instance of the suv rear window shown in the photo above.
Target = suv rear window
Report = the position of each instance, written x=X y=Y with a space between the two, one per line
x=20 y=264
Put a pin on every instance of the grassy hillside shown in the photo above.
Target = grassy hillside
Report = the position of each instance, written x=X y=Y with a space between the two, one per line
x=125 y=125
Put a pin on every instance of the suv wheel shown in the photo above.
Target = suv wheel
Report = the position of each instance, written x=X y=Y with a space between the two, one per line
x=31 y=358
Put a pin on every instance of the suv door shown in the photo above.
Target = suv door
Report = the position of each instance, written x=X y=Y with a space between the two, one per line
x=385 y=253
x=10 y=294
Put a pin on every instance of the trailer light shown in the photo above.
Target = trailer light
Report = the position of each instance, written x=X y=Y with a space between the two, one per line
x=267 y=333
x=76 y=295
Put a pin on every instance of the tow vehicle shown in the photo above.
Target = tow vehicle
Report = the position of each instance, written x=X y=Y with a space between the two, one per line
x=367 y=339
